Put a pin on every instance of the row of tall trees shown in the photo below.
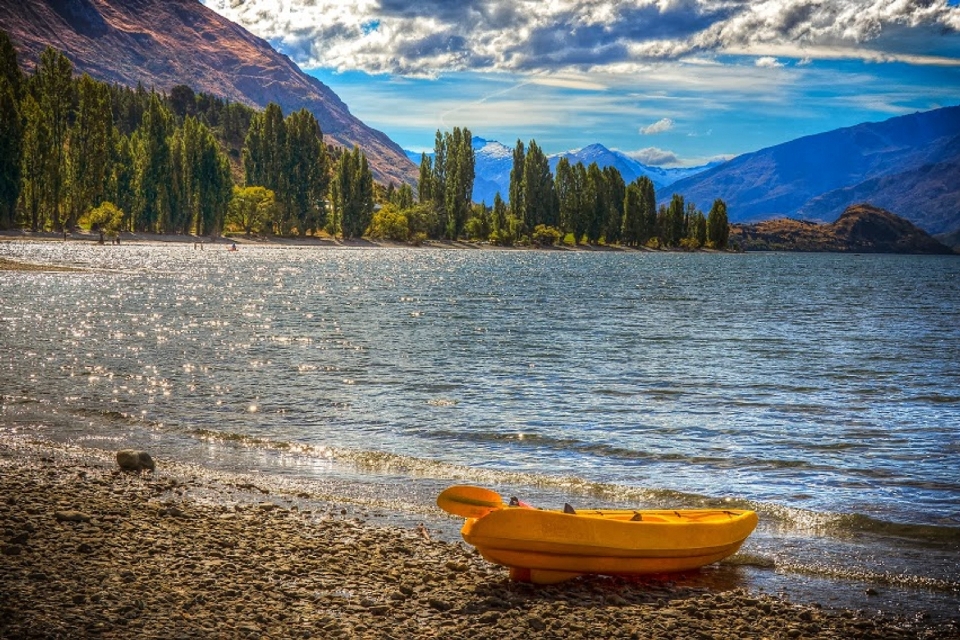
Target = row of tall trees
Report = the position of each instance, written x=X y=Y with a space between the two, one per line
x=592 y=204
x=165 y=163
x=191 y=163
x=446 y=182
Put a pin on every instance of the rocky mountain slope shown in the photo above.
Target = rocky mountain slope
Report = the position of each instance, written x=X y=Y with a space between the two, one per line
x=163 y=43
x=861 y=228
x=909 y=164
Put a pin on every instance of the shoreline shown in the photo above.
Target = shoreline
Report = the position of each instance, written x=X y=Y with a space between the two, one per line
x=241 y=240
x=90 y=551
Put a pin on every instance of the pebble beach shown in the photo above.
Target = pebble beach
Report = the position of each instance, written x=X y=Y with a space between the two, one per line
x=90 y=551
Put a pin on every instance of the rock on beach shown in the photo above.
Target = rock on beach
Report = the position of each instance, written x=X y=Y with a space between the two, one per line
x=132 y=460
x=230 y=569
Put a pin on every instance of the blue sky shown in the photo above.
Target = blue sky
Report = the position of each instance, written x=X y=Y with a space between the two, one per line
x=670 y=82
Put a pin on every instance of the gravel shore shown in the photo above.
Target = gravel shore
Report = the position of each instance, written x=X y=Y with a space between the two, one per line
x=88 y=551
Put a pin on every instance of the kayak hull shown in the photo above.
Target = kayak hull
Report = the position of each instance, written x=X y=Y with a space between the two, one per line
x=550 y=546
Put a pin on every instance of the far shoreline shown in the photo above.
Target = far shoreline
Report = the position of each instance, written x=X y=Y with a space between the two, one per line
x=241 y=240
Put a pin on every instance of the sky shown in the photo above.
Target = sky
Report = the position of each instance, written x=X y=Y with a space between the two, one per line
x=669 y=82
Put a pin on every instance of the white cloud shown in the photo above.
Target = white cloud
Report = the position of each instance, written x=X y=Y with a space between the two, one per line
x=654 y=157
x=767 y=61
x=428 y=37
x=660 y=126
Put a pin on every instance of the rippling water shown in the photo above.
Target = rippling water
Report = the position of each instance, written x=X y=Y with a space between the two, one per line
x=822 y=390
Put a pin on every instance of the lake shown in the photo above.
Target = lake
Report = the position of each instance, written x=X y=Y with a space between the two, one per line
x=822 y=390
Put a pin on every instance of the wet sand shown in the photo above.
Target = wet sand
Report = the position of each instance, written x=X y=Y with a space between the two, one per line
x=88 y=551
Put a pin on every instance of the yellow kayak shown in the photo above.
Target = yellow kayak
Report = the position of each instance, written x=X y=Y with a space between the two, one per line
x=551 y=546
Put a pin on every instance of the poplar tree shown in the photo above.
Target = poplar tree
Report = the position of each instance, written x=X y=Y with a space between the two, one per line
x=153 y=173
x=579 y=209
x=265 y=161
x=566 y=197
x=594 y=204
x=614 y=191
x=648 y=206
x=632 y=215
x=307 y=175
x=11 y=150
x=499 y=213
x=718 y=228
x=33 y=160
x=11 y=132
x=439 y=184
x=352 y=193
x=539 y=197
x=459 y=173
x=9 y=67
x=54 y=85
x=425 y=184
x=516 y=181
x=673 y=224
x=121 y=181
x=89 y=151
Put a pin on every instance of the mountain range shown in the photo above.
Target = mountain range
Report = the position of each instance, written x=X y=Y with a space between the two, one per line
x=163 y=43
x=494 y=161
x=909 y=165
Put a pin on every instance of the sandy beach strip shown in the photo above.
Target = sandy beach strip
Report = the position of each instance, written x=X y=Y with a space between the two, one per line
x=89 y=551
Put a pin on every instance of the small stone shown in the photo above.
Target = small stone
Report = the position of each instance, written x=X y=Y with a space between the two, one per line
x=11 y=550
x=71 y=516
x=20 y=538
x=440 y=605
x=84 y=548
x=133 y=460
x=536 y=623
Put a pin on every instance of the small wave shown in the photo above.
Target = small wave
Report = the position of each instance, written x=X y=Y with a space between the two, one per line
x=779 y=516
x=871 y=577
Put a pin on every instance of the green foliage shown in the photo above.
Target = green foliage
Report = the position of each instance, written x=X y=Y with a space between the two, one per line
x=517 y=207
x=447 y=181
x=53 y=88
x=105 y=218
x=510 y=234
x=11 y=151
x=89 y=147
x=718 y=228
x=402 y=197
x=539 y=197
x=499 y=215
x=9 y=67
x=594 y=204
x=613 y=200
x=545 y=235
x=33 y=160
x=390 y=223
x=421 y=218
x=425 y=185
x=251 y=208
x=307 y=176
x=480 y=225
x=352 y=194
x=153 y=174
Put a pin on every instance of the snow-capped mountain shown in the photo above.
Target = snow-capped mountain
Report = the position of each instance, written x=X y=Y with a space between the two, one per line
x=495 y=160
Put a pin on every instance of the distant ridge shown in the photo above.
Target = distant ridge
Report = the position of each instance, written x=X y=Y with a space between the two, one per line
x=494 y=161
x=861 y=228
x=909 y=165
x=163 y=43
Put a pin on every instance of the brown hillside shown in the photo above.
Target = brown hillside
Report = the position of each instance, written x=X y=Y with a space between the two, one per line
x=163 y=43
x=860 y=228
